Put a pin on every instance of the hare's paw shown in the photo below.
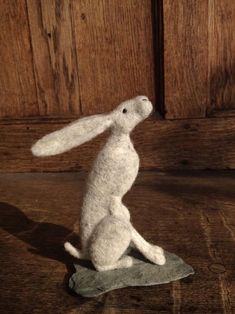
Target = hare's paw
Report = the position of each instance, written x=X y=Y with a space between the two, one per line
x=127 y=261
x=156 y=255
x=124 y=262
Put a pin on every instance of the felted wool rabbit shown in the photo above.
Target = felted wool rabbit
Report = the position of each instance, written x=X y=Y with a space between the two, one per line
x=105 y=228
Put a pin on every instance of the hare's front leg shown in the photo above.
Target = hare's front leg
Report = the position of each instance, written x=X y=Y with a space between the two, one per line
x=109 y=241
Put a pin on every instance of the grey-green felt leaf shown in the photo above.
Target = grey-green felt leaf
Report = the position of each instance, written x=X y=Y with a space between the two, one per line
x=88 y=282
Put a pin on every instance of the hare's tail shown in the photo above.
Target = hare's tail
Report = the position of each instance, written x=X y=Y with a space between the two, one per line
x=72 y=250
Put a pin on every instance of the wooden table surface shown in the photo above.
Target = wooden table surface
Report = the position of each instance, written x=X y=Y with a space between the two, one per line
x=190 y=214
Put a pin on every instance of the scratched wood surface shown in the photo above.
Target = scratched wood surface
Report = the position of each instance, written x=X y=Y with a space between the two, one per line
x=190 y=214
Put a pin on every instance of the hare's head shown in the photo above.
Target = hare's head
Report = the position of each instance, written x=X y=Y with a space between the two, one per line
x=131 y=112
x=122 y=120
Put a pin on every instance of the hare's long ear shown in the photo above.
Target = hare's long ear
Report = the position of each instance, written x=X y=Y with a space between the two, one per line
x=72 y=135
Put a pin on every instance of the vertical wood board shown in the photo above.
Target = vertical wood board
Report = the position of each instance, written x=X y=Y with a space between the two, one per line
x=222 y=55
x=17 y=84
x=185 y=58
x=54 y=55
x=114 y=52
x=199 y=64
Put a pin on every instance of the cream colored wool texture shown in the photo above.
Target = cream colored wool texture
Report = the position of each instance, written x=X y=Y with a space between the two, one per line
x=105 y=226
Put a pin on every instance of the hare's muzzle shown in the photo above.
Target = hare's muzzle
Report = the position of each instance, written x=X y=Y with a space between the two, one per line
x=145 y=106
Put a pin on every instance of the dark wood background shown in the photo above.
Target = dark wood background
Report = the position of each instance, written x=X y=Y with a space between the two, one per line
x=62 y=59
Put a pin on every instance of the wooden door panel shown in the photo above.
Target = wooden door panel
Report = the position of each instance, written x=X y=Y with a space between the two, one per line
x=74 y=57
x=222 y=57
x=185 y=58
x=115 y=54
x=54 y=56
x=17 y=85
x=61 y=59
x=199 y=47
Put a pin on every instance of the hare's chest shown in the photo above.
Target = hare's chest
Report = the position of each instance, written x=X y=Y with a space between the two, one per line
x=126 y=157
x=132 y=157
x=120 y=148
x=116 y=167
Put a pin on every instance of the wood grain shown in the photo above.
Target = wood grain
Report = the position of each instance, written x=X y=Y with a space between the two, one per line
x=114 y=46
x=179 y=144
x=199 y=62
x=190 y=214
x=54 y=56
x=17 y=84
x=62 y=57
x=185 y=58
x=221 y=55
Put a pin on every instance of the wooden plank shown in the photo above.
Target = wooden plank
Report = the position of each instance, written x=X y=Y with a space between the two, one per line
x=186 y=196
x=221 y=261
x=221 y=55
x=198 y=58
x=17 y=83
x=190 y=214
x=179 y=144
x=185 y=58
x=114 y=46
x=222 y=113
x=55 y=63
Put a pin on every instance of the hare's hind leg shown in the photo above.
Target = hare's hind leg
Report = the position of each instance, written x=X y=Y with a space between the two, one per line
x=152 y=252
x=108 y=243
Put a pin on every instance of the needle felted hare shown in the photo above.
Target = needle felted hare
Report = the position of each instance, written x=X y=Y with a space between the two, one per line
x=106 y=230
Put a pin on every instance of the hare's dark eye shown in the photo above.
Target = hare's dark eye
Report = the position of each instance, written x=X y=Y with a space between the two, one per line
x=124 y=110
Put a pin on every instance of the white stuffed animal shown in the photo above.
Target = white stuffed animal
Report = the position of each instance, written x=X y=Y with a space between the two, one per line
x=106 y=230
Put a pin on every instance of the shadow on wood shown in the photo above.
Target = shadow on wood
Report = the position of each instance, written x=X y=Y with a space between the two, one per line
x=45 y=238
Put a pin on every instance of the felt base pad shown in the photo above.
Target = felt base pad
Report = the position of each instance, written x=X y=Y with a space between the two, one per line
x=88 y=282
